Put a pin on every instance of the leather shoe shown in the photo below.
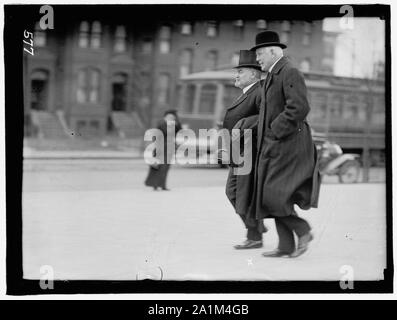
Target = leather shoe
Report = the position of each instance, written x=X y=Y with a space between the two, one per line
x=303 y=245
x=249 y=244
x=275 y=254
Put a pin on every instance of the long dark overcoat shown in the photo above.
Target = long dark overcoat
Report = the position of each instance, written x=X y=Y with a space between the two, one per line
x=286 y=171
x=157 y=177
x=239 y=188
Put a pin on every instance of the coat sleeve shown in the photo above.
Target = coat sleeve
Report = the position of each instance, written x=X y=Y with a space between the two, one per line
x=296 y=105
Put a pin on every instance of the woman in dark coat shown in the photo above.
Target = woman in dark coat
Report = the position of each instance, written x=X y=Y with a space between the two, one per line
x=157 y=176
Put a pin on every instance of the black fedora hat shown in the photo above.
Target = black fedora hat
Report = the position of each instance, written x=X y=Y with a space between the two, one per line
x=247 y=59
x=267 y=39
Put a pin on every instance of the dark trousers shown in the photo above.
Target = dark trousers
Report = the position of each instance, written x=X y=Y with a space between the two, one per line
x=286 y=226
x=254 y=229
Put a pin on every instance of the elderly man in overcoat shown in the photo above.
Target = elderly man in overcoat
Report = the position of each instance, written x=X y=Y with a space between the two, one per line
x=243 y=114
x=286 y=172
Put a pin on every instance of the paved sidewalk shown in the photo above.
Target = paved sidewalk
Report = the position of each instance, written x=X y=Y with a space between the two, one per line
x=30 y=153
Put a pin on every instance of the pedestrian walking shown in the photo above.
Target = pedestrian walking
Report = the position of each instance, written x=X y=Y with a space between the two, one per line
x=157 y=176
x=243 y=114
x=286 y=172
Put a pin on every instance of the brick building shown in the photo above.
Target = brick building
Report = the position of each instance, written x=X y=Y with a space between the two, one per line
x=93 y=76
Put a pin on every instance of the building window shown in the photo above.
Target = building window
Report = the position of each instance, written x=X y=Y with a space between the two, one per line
x=238 y=26
x=88 y=85
x=94 y=86
x=82 y=86
x=92 y=39
x=165 y=39
x=147 y=46
x=212 y=29
x=211 y=60
x=186 y=65
x=186 y=28
x=305 y=65
x=84 y=34
x=235 y=59
x=208 y=97
x=286 y=30
x=40 y=37
x=164 y=86
x=120 y=42
x=261 y=24
x=96 y=35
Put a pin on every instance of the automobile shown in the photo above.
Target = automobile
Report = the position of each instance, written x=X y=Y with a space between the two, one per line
x=333 y=161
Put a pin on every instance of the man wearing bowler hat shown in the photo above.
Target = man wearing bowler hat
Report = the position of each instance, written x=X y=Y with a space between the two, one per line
x=243 y=114
x=286 y=172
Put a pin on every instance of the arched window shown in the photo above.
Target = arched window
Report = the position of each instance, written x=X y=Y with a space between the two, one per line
x=208 y=98
x=120 y=41
x=39 y=89
x=186 y=62
x=40 y=37
x=211 y=60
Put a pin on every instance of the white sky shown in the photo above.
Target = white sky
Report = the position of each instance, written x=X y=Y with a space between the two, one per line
x=364 y=43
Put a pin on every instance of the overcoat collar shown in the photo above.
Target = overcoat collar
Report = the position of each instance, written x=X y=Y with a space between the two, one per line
x=279 y=65
x=243 y=96
x=276 y=69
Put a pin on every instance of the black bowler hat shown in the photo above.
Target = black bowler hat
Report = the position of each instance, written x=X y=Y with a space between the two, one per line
x=171 y=111
x=247 y=59
x=267 y=39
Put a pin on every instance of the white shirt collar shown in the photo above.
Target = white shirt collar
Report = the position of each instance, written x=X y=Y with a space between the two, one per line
x=249 y=86
x=271 y=68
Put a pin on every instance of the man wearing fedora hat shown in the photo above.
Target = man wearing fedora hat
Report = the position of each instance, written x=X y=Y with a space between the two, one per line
x=286 y=172
x=243 y=114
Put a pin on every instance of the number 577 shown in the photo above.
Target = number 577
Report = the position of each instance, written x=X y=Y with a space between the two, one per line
x=28 y=35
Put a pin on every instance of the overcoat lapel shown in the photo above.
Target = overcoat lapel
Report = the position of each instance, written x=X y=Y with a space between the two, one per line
x=243 y=96
x=240 y=99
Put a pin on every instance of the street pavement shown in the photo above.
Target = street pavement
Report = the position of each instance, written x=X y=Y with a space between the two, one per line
x=94 y=219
